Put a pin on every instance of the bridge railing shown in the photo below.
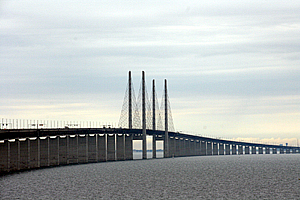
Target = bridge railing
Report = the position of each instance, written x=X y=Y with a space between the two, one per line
x=46 y=124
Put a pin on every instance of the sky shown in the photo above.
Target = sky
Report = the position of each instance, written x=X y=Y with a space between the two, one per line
x=233 y=67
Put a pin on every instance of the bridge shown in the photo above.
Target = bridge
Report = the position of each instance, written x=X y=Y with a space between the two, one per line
x=26 y=145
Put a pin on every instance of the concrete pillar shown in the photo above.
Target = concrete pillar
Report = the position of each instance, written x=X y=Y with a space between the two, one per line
x=92 y=148
x=209 y=148
x=294 y=150
x=154 y=146
x=63 y=150
x=260 y=150
x=198 y=147
x=177 y=147
x=144 y=136
x=281 y=151
x=221 y=149
x=172 y=146
x=73 y=149
x=192 y=147
x=14 y=155
x=24 y=154
x=111 y=154
x=203 y=148
x=4 y=156
x=274 y=151
x=240 y=149
x=227 y=149
x=128 y=147
x=233 y=149
x=247 y=150
x=82 y=149
x=287 y=151
x=44 y=151
x=182 y=147
x=34 y=155
x=215 y=148
x=54 y=151
x=267 y=150
x=253 y=150
x=102 y=147
x=120 y=147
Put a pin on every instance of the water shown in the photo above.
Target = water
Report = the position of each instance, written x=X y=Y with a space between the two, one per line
x=211 y=177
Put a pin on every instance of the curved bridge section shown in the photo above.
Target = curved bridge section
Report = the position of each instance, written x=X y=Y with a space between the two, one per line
x=24 y=149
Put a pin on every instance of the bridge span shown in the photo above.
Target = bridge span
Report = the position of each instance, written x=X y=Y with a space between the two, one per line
x=24 y=149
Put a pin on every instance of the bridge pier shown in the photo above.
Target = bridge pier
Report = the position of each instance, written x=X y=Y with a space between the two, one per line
x=128 y=147
x=34 y=153
x=274 y=151
x=202 y=148
x=172 y=146
x=92 y=148
x=215 y=148
x=240 y=149
x=221 y=149
x=120 y=147
x=287 y=151
x=198 y=148
x=227 y=149
x=209 y=148
x=24 y=153
x=267 y=150
x=73 y=149
x=102 y=147
x=111 y=146
x=294 y=150
x=4 y=156
x=247 y=151
x=82 y=149
x=260 y=150
x=233 y=149
x=44 y=151
x=54 y=151
x=253 y=150
x=63 y=150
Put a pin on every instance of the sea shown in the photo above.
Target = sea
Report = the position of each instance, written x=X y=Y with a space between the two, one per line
x=200 y=177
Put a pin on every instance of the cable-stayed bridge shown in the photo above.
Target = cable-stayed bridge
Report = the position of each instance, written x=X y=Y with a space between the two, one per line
x=31 y=144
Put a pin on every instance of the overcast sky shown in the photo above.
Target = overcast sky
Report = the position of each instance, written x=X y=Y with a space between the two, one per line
x=233 y=67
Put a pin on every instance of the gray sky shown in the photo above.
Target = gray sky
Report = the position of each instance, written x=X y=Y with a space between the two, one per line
x=232 y=66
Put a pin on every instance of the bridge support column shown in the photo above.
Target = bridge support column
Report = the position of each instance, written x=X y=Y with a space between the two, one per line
x=102 y=147
x=177 y=146
x=14 y=157
x=227 y=149
x=24 y=153
x=82 y=149
x=209 y=148
x=198 y=148
x=44 y=152
x=63 y=150
x=92 y=148
x=181 y=146
x=53 y=151
x=281 y=151
x=4 y=156
x=253 y=150
x=186 y=148
x=260 y=150
x=202 y=148
x=221 y=149
x=287 y=151
x=120 y=147
x=128 y=147
x=233 y=149
x=34 y=155
x=73 y=149
x=294 y=150
x=215 y=148
x=193 y=147
x=111 y=146
x=274 y=151
x=247 y=151
x=240 y=149
x=267 y=150
x=172 y=147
